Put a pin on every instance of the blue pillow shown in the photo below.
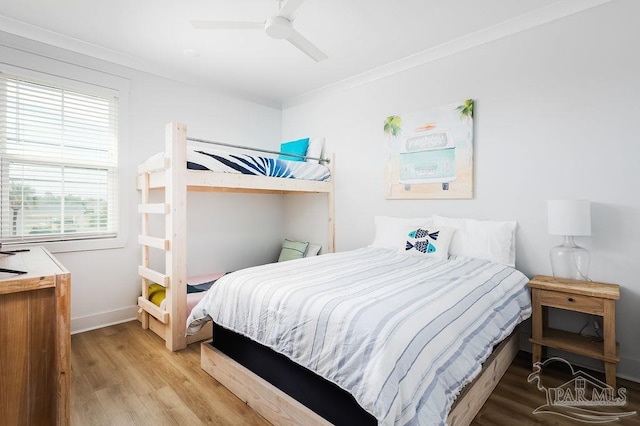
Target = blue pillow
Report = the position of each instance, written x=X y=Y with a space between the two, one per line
x=294 y=147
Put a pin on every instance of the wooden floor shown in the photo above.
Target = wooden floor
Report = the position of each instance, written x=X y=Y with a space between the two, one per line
x=514 y=399
x=123 y=375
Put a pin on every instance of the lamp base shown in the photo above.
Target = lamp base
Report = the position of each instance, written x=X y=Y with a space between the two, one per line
x=569 y=260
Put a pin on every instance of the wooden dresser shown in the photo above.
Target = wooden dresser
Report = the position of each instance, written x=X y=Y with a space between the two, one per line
x=35 y=340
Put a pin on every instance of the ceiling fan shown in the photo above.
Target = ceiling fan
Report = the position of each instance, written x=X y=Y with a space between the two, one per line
x=278 y=26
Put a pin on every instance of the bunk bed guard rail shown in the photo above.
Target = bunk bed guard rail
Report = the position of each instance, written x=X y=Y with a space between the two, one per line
x=229 y=145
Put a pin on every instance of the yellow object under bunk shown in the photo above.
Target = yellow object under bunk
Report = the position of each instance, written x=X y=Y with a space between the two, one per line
x=195 y=290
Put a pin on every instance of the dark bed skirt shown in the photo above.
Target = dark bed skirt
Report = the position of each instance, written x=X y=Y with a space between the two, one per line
x=325 y=398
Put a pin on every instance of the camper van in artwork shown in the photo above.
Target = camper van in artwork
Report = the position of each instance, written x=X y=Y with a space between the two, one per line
x=430 y=153
x=428 y=157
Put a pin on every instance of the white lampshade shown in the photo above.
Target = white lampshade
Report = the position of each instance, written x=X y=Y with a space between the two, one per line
x=569 y=217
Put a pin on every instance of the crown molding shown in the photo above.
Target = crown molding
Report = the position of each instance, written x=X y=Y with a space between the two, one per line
x=501 y=30
x=94 y=51
x=32 y=32
x=498 y=31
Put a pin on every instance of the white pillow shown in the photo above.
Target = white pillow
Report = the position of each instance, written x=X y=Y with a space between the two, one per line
x=481 y=239
x=315 y=149
x=428 y=241
x=391 y=232
x=312 y=250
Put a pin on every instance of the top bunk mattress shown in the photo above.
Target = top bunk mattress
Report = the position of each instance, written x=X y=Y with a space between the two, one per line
x=231 y=162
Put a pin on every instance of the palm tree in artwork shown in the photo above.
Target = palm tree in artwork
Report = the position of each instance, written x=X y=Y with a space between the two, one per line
x=392 y=128
x=466 y=114
x=466 y=109
x=393 y=125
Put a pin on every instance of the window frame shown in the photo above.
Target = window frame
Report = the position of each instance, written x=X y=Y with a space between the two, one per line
x=84 y=80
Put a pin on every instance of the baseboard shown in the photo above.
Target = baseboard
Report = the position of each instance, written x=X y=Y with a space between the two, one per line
x=102 y=319
x=628 y=368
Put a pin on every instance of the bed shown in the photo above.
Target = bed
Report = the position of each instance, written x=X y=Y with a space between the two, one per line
x=393 y=339
x=181 y=168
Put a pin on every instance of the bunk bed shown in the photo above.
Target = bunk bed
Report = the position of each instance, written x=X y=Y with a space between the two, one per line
x=169 y=174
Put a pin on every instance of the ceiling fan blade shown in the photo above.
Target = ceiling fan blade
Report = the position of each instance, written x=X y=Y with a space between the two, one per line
x=226 y=25
x=289 y=8
x=306 y=46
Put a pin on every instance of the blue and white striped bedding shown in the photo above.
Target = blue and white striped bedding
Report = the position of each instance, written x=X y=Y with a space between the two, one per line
x=229 y=162
x=402 y=334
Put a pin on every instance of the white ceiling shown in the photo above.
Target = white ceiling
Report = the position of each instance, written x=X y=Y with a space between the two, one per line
x=358 y=36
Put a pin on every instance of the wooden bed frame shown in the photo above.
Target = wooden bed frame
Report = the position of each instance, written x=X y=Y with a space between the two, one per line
x=281 y=409
x=170 y=174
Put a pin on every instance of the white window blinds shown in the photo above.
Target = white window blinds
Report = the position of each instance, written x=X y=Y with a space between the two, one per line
x=58 y=163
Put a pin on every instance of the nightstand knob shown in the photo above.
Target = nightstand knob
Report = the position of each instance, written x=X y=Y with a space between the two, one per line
x=570 y=299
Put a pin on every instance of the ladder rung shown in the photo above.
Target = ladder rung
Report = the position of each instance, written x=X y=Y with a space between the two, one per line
x=153 y=310
x=154 y=276
x=159 y=243
x=160 y=208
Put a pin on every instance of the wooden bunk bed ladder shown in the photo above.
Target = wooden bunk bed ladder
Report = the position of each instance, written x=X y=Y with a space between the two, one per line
x=169 y=322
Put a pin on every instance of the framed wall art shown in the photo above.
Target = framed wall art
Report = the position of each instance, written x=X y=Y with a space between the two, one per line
x=430 y=153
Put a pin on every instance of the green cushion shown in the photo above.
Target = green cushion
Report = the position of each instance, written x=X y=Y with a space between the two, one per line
x=292 y=250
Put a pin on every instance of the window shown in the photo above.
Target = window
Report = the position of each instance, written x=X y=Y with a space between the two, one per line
x=58 y=162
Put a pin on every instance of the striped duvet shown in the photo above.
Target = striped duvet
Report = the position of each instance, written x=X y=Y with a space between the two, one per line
x=402 y=334
x=229 y=162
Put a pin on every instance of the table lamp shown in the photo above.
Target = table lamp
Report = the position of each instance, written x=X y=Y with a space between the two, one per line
x=569 y=218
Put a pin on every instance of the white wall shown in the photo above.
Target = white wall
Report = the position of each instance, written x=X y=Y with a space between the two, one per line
x=556 y=117
x=227 y=231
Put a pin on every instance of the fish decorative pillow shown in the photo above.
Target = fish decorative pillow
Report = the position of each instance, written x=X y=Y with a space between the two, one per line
x=429 y=241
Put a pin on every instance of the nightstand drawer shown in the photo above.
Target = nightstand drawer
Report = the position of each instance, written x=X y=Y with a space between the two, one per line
x=572 y=302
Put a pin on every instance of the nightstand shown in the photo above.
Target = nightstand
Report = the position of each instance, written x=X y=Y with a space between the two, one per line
x=579 y=296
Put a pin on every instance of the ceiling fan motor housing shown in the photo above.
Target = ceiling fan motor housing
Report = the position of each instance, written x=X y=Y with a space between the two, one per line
x=278 y=27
